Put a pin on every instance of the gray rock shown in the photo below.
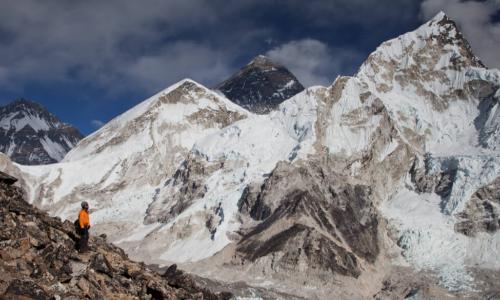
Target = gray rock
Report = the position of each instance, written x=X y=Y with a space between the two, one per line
x=7 y=179
x=481 y=213
x=312 y=199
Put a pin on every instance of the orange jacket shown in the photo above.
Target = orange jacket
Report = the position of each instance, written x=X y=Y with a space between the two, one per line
x=83 y=218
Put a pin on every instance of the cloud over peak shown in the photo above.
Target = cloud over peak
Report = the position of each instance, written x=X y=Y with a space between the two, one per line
x=314 y=62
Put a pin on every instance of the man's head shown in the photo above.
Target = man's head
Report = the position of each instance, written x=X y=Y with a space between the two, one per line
x=85 y=205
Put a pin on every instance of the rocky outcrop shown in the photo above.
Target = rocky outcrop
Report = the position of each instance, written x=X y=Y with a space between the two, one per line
x=261 y=85
x=7 y=179
x=39 y=261
x=186 y=185
x=30 y=135
x=311 y=217
x=482 y=213
x=425 y=181
x=403 y=283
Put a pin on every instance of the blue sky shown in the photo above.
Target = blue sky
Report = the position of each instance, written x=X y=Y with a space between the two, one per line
x=88 y=61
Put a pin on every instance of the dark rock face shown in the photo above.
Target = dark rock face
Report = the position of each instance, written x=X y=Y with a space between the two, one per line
x=404 y=283
x=261 y=85
x=39 y=261
x=310 y=214
x=301 y=242
x=482 y=213
x=31 y=135
x=7 y=179
x=189 y=180
x=440 y=183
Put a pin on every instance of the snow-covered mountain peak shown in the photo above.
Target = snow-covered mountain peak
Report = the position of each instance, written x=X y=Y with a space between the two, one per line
x=431 y=82
x=189 y=91
x=443 y=28
x=185 y=85
x=184 y=106
x=24 y=112
x=435 y=47
x=30 y=134
x=423 y=73
x=439 y=16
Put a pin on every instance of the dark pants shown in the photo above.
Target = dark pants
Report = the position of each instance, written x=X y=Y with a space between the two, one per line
x=83 y=245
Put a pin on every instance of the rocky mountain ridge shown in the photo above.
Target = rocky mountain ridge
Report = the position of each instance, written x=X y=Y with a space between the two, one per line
x=30 y=135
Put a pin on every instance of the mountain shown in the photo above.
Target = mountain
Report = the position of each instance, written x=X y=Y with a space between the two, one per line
x=382 y=185
x=261 y=85
x=121 y=166
x=39 y=261
x=30 y=135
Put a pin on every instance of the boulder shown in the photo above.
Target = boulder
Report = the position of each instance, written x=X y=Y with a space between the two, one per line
x=7 y=179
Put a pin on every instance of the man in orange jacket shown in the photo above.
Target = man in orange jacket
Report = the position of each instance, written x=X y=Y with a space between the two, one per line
x=84 y=220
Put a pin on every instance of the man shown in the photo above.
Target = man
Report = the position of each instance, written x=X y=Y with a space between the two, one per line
x=84 y=221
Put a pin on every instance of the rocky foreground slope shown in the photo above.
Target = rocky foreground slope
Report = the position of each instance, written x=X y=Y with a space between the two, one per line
x=31 y=135
x=39 y=261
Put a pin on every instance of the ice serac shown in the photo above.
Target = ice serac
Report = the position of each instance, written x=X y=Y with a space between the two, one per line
x=384 y=184
x=30 y=135
x=261 y=85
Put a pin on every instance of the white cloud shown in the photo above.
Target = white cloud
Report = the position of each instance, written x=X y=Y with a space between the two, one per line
x=97 y=123
x=474 y=20
x=313 y=62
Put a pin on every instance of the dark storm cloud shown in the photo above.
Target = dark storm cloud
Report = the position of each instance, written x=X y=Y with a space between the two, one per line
x=477 y=23
x=148 y=45
x=57 y=41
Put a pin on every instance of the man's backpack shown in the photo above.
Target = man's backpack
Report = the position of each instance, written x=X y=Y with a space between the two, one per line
x=78 y=230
